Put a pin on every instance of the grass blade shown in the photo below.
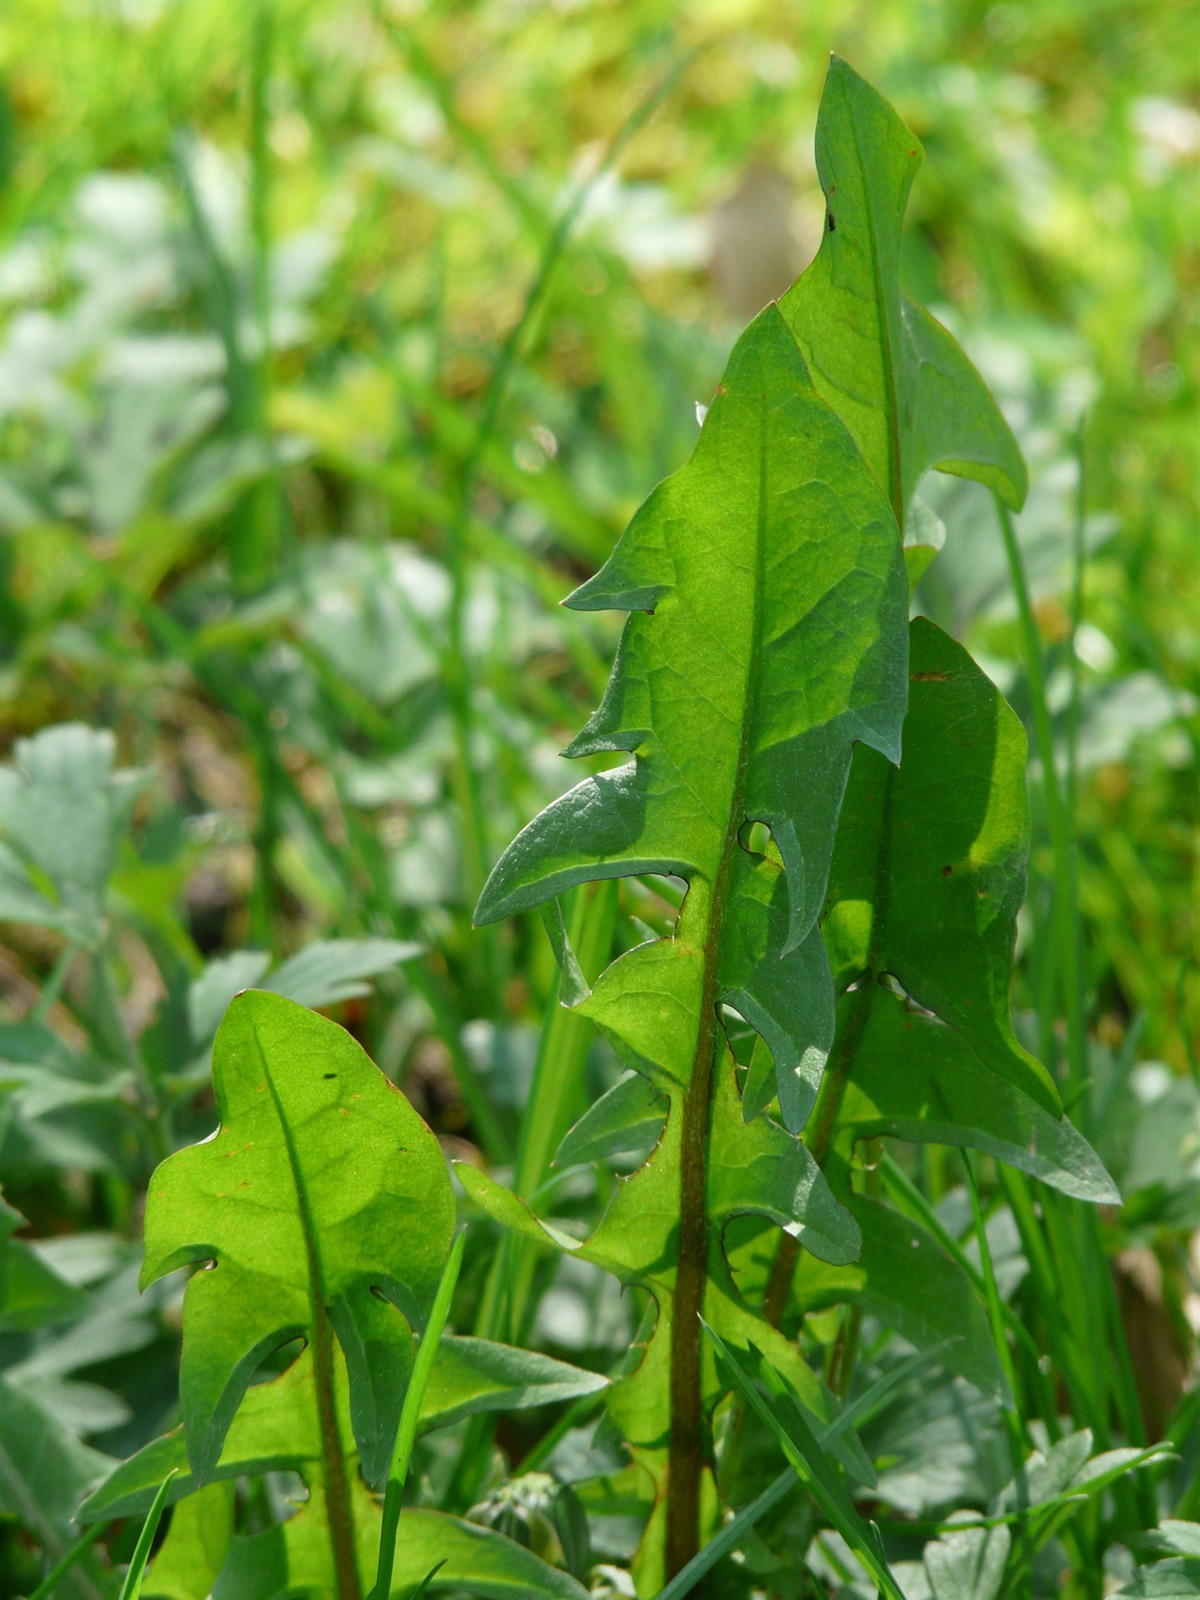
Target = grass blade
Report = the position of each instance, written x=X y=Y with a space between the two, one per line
x=132 y=1587
x=62 y=1566
x=727 y=1539
x=406 y=1433
x=426 y=1581
x=722 y=1543
x=803 y=1450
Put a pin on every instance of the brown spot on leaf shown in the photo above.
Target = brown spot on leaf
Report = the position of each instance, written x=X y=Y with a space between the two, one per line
x=946 y=871
x=929 y=677
x=832 y=223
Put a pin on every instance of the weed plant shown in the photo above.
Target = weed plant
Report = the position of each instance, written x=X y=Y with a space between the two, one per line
x=773 y=1172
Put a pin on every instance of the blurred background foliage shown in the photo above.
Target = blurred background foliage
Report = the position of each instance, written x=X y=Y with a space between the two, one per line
x=339 y=340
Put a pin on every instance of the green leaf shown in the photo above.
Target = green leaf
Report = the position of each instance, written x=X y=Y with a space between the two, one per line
x=324 y=972
x=472 y=1375
x=295 y=1556
x=1177 y=1536
x=32 y=1294
x=893 y=374
x=322 y=1192
x=329 y=970
x=1068 y=1470
x=767 y=596
x=629 y=1116
x=968 y=1565
x=44 y=1473
x=1177 y=1578
x=63 y=810
x=903 y=1277
x=276 y=1425
x=916 y=1079
x=196 y=1545
x=927 y=879
x=574 y=986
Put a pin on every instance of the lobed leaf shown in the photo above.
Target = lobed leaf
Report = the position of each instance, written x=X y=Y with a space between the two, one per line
x=903 y=1277
x=322 y=1192
x=929 y=872
x=767 y=597
x=894 y=375
x=295 y=1556
x=63 y=811
x=276 y=1425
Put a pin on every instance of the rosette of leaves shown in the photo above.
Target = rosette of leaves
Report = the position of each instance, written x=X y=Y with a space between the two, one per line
x=321 y=1211
x=767 y=638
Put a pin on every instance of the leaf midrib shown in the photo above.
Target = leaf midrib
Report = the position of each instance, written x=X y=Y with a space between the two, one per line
x=683 y=1500
x=333 y=1462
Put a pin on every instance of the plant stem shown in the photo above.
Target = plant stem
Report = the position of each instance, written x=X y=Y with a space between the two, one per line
x=557 y=1085
x=687 y=1433
x=338 y=1514
x=824 y=1123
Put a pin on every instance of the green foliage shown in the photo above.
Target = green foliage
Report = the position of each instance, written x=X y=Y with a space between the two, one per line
x=63 y=811
x=766 y=641
x=336 y=1168
x=329 y=362
x=892 y=373
x=323 y=1210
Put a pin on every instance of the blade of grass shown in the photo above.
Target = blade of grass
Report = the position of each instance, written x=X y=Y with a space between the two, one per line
x=1075 y=1233
x=132 y=1586
x=727 y=1539
x=803 y=1450
x=775 y=1493
x=64 y=1564
x=423 y=1586
x=406 y=1433
x=1019 y=1440
x=557 y=1078
x=1018 y=1433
